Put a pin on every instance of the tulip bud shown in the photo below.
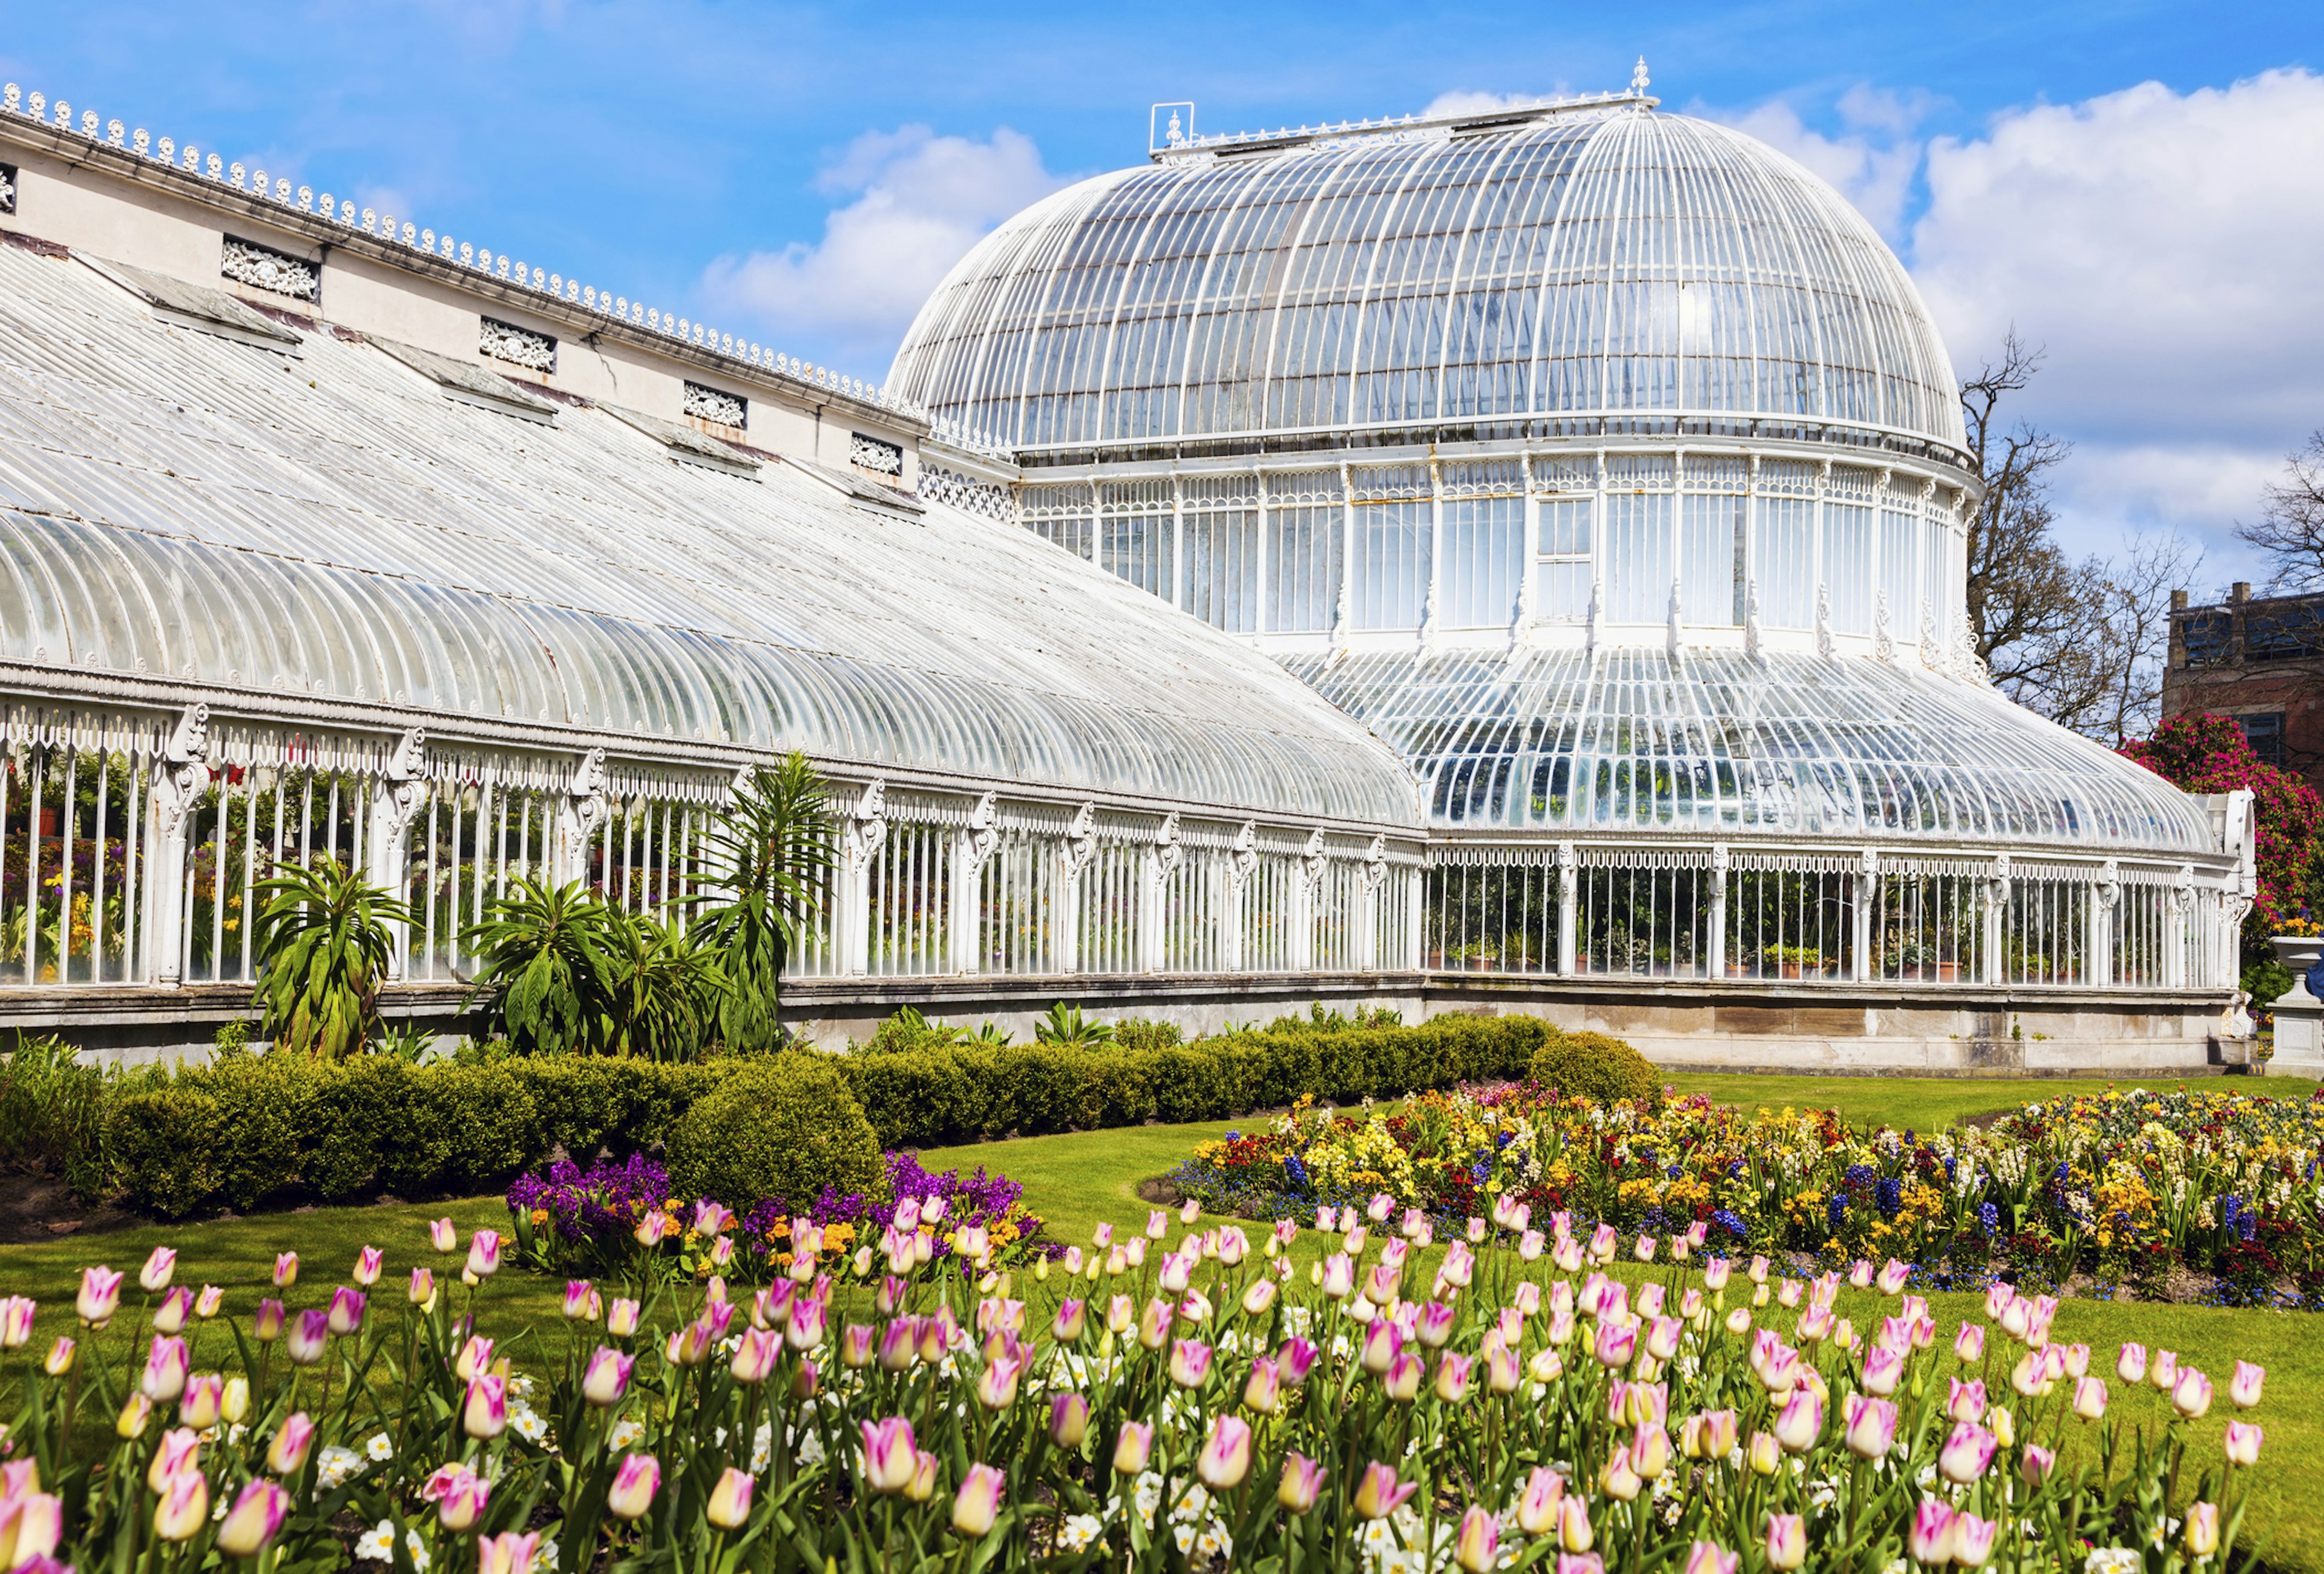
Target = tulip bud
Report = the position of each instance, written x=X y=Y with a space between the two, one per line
x=635 y=1481
x=1133 y=1448
x=134 y=1417
x=287 y=1455
x=160 y=1265
x=185 y=1507
x=254 y=1520
x=977 y=1504
x=368 y=1263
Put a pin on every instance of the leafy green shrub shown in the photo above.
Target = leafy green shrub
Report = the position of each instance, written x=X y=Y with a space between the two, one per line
x=908 y=1031
x=1597 y=1067
x=166 y=1141
x=784 y=1128
x=52 y=1115
x=355 y=1115
x=1139 y=1033
x=545 y=974
x=766 y=862
x=264 y=1105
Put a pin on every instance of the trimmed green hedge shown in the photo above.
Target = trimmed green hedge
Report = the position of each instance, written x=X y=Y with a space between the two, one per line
x=245 y=1127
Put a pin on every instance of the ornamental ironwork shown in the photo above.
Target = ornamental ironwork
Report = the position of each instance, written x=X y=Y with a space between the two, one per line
x=276 y=273
x=518 y=346
x=7 y=188
x=878 y=457
x=716 y=406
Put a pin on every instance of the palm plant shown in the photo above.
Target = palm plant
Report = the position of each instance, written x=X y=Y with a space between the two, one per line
x=547 y=968
x=324 y=940
x=766 y=861
x=1066 y=1025
x=662 y=988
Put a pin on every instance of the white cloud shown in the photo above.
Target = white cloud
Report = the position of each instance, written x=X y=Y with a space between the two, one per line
x=1468 y=101
x=917 y=202
x=2161 y=246
x=1872 y=160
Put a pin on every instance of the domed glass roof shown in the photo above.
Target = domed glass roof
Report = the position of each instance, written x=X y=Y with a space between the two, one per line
x=1722 y=743
x=1567 y=270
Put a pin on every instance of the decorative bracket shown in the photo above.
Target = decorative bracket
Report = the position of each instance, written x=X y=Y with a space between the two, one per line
x=1080 y=838
x=185 y=775
x=1376 y=866
x=1313 y=859
x=1997 y=883
x=1167 y=850
x=2109 y=889
x=404 y=787
x=1243 y=861
x=1884 y=647
x=1823 y=621
x=1753 y=632
x=867 y=826
x=983 y=830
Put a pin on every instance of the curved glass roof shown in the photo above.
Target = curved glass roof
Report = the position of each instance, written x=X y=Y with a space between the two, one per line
x=1721 y=743
x=1593 y=265
x=184 y=505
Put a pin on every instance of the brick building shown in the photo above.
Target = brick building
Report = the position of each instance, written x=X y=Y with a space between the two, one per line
x=2259 y=659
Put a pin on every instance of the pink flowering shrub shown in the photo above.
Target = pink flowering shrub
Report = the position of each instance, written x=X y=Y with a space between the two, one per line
x=2209 y=754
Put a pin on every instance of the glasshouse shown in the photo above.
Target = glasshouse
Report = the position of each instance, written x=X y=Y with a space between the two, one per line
x=1457 y=565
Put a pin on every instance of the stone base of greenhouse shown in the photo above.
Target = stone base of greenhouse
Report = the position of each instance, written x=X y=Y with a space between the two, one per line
x=1969 y=1031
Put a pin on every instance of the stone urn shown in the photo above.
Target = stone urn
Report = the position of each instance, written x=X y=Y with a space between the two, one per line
x=2298 y=953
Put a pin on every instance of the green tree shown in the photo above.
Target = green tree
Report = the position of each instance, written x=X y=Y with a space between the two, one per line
x=549 y=966
x=2209 y=754
x=324 y=940
x=766 y=862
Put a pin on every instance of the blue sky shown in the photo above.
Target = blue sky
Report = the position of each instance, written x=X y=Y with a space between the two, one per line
x=2138 y=186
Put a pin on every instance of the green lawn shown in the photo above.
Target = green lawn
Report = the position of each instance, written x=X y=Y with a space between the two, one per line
x=1075 y=1181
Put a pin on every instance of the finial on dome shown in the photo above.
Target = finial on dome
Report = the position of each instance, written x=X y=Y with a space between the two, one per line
x=1638 y=79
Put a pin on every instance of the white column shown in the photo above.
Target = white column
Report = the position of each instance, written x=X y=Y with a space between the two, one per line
x=397 y=795
x=863 y=832
x=1154 y=896
x=1178 y=540
x=1416 y=899
x=2105 y=893
x=1716 y=961
x=2176 y=905
x=1265 y=541
x=965 y=904
x=1431 y=606
x=1074 y=858
x=1345 y=614
x=1312 y=864
x=180 y=777
x=1866 y=878
x=1529 y=559
x=1997 y=912
x=1241 y=864
x=1365 y=951
x=1568 y=877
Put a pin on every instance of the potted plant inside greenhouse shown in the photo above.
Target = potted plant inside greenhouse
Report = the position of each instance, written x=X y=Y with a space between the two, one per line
x=1794 y=962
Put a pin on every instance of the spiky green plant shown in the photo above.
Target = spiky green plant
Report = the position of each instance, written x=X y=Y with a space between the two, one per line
x=1065 y=1025
x=662 y=988
x=324 y=940
x=766 y=861
x=547 y=970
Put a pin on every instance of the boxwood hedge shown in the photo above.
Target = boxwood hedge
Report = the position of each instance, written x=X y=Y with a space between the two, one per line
x=246 y=1128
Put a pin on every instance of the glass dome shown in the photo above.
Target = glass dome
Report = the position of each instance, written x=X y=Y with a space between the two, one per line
x=1720 y=744
x=1546 y=277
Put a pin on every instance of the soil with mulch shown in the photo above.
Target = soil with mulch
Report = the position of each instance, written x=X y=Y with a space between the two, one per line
x=41 y=1207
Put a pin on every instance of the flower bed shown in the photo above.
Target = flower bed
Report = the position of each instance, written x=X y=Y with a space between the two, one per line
x=625 y=1220
x=1137 y=1404
x=2127 y=1187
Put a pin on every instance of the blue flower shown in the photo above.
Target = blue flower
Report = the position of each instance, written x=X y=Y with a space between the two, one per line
x=1890 y=1196
x=1727 y=1218
x=1481 y=1173
x=1838 y=1209
x=1234 y=1137
x=1989 y=1216
x=1675 y=1172
x=1295 y=1173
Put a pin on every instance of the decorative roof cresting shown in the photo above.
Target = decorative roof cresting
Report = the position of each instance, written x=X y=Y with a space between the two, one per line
x=189 y=160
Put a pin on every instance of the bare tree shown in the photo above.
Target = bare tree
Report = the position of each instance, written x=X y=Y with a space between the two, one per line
x=2026 y=602
x=2290 y=532
x=2083 y=643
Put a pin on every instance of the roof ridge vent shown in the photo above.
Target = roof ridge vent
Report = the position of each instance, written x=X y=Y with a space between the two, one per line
x=195 y=305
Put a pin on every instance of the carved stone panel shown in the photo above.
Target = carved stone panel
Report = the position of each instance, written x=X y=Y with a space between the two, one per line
x=7 y=188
